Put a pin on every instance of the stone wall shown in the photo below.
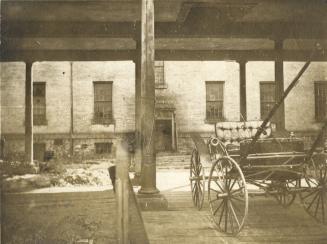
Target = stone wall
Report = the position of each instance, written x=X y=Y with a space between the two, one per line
x=300 y=104
x=185 y=89
x=12 y=98
x=60 y=79
x=256 y=72
x=122 y=76
x=56 y=76
x=186 y=85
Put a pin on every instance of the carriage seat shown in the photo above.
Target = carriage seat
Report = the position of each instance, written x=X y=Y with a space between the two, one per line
x=235 y=132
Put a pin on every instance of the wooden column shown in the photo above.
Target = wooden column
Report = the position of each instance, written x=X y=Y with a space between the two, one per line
x=243 y=115
x=71 y=110
x=279 y=85
x=122 y=191
x=28 y=113
x=148 y=173
x=1 y=142
x=137 y=62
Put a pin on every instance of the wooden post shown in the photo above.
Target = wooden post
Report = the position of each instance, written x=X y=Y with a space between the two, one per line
x=71 y=111
x=1 y=157
x=243 y=115
x=122 y=189
x=279 y=85
x=148 y=173
x=28 y=113
x=138 y=144
x=173 y=131
x=1 y=141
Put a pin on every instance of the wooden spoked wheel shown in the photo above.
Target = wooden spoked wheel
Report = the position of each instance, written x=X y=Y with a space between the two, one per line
x=228 y=195
x=284 y=194
x=314 y=194
x=197 y=180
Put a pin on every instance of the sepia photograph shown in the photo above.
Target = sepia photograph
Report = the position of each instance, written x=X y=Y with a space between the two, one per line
x=163 y=121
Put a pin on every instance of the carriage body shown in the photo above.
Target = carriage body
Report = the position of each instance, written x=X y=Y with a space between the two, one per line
x=230 y=168
x=270 y=158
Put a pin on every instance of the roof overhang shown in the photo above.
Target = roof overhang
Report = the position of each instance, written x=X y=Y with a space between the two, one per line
x=198 y=29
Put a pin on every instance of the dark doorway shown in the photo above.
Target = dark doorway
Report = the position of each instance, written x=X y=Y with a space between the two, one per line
x=164 y=135
x=39 y=151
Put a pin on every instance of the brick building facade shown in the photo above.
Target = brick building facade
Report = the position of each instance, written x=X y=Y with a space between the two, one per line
x=190 y=96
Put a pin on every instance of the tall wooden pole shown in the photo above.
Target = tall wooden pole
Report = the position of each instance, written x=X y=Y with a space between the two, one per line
x=71 y=110
x=122 y=191
x=148 y=173
x=138 y=118
x=28 y=113
x=242 y=64
x=279 y=85
x=1 y=142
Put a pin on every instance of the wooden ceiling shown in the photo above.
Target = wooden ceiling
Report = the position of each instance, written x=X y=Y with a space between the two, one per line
x=165 y=10
x=193 y=29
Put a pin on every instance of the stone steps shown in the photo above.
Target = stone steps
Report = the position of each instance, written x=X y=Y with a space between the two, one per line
x=178 y=161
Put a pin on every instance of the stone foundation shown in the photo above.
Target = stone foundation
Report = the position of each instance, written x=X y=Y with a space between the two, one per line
x=59 y=146
x=62 y=147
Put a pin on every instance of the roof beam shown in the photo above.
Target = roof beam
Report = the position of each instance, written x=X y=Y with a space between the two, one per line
x=87 y=44
x=191 y=44
x=280 y=30
x=67 y=29
x=214 y=44
x=177 y=55
x=273 y=30
x=66 y=55
x=248 y=55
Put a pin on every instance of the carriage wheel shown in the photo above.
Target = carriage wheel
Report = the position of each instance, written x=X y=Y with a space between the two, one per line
x=197 y=179
x=284 y=196
x=228 y=195
x=314 y=196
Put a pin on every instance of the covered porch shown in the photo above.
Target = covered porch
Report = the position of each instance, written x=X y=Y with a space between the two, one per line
x=148 y=30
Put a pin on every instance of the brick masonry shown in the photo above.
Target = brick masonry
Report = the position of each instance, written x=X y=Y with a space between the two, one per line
x=185 y=90
x=300 y=105
x=255 y=73
x=122 y=76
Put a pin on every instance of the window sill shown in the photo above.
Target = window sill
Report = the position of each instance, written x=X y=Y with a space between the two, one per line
x=213 y=121
x=111 y=122
x=40 y=123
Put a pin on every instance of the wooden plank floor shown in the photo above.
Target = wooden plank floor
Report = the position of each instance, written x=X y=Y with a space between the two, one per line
x=267 y=223
x=61 y=217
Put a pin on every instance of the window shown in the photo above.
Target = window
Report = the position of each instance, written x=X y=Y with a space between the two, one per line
x=103 y=103
x=58 y=142
x=267 y=97
x=160 y=75
x=214 y=100
x=39 y=104
x=103 y=147
x=320 y=100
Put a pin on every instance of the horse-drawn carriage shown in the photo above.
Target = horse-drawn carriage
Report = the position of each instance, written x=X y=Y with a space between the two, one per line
x=245 y=158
